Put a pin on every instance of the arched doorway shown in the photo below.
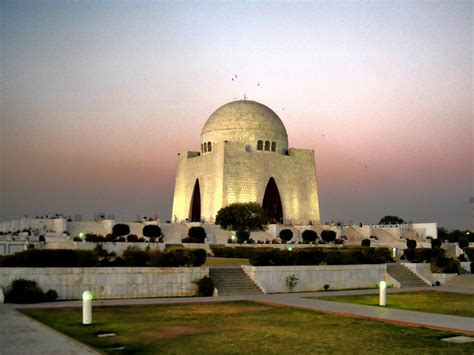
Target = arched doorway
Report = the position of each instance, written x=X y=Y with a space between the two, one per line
x=272 y=203
x=195 y=212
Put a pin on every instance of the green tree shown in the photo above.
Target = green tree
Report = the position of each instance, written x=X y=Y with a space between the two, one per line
x=435 y=243
x=242 y=236
x=120 y=229
x=248 y=216
x=391 y=220
x=152 y=231
x=411 y=243
x=198 y=234
x=286 y=235
x=309 y=236
x=463 y=242
x=328 y=236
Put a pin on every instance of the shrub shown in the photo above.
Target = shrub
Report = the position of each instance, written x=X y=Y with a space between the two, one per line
x=286 y=235
x=198 y=234
x=120 y=229
x=228 y=252
x=178 y=257
x=446 y=266
x=463 y=242
x=51 y=295
x=309 y=236
x=317 y=256
x=24 y=291
x=50 y=258
x=242 y=236
x=469 y=252
x=134 y=256
x=365 y=242
x=411 y=244
x=436 y=243
x=328 y=236
x=291 y=281
x=91 y=237
x=326 y=287
x=152 y=231
x=423 y=255
x=205 y=287
x=77 y=239
x=133 y=238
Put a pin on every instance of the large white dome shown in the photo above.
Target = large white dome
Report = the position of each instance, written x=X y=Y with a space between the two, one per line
x=246 y=122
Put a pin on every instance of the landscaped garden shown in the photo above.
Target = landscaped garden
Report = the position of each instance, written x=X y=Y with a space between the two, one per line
x=455 y=304
x=239 y=327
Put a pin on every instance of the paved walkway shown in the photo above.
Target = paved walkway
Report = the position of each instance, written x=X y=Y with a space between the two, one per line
x=22 y=335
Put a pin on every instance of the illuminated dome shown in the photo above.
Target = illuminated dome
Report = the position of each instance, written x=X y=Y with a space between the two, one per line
x=246 y=122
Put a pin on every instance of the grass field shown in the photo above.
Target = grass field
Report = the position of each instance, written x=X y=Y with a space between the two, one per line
x=455 y=304
x=213 y=261
x=240 y=327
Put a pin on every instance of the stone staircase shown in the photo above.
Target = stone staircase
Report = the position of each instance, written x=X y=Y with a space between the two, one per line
x=406 y=277
x=231 y=281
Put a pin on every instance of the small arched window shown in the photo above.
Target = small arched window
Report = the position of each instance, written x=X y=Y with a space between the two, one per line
x=267 y=146
x=202 y=148
x=274 y=147
x=209 y=146
x=259 y=145
x=205 y=147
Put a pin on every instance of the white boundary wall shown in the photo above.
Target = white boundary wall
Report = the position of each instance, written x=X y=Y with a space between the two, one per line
x=272 y=279
x=110 y=282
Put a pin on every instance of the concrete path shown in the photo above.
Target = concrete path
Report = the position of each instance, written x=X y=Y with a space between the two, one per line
x=420 y=319
x=22 y=335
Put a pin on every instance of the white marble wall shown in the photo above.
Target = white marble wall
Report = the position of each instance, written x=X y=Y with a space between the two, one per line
x=111 y=282
x=272 y=279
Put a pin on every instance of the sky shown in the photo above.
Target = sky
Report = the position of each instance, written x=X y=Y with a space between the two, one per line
x=98 y=97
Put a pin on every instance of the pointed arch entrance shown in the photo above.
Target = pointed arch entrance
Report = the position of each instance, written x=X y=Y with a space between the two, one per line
x=272 y=203
x=195 y=210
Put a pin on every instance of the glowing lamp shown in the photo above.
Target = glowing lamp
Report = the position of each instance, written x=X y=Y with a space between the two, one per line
x=383 y=293
x=87 y=297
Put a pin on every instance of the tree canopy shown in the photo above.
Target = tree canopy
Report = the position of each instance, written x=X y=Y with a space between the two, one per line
x=391 y=220
x=152 y=231
x=328 y=236
x=120 y=229
x=248 y=216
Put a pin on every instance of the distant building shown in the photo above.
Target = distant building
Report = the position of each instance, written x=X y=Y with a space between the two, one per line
x=244 y=157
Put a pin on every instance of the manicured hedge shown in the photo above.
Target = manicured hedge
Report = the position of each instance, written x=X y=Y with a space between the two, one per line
x=446 y=266
x=469 y=253
x=424 y=255
x=317 y=256
x=132 y=256
x=50 y=258
x=237 y=252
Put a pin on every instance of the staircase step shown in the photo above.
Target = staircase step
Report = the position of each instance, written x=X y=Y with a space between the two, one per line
x=405 y=276
x=232 y=281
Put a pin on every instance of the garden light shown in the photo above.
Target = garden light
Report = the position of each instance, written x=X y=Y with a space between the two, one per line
x=383 y=293
x=87 y=307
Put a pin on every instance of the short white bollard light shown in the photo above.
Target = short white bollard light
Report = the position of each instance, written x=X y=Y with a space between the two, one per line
x=87 y=307
x=383 y=293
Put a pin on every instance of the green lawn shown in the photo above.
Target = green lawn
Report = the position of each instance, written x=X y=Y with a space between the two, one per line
x=213 y=261
x=240 y=327
x=455 y=304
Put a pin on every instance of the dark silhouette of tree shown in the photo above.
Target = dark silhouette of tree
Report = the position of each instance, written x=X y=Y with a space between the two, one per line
x=391 y=220
x=152 y=231
x=309 y=236
x=120 y=229
x=328 y=236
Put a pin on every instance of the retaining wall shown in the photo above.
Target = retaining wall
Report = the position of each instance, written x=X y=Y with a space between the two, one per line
x=272 y=279
x=111 y=282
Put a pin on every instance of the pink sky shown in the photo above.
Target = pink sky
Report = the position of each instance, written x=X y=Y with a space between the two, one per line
x=98 y=98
